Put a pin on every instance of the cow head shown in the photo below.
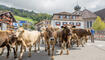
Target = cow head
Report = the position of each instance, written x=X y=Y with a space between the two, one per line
x=13 y=40
x=66 y=33
x=88 y=32
x=19 y=32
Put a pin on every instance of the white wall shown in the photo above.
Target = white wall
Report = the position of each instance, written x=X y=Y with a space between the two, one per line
x=4 y=26
x=53 y=23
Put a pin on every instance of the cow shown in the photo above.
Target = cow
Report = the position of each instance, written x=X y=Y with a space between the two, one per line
x=27 y=39
x=49 y=37
x=7 y=39
x=65 y=39
x=81 y=33
x=74 y=39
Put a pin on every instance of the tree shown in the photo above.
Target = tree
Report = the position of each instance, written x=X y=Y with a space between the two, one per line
x=98 y=24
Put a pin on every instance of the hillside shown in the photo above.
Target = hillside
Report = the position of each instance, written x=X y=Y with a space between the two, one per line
x=25 y=19
x=30 y=15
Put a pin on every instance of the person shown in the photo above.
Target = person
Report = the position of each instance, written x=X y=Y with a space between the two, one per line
x=92 y=35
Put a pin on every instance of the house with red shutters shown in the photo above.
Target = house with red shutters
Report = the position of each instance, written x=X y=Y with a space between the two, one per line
x=80 y=19
x=6 y=20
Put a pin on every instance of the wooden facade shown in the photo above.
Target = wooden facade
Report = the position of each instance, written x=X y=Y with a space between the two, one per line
x=6 y=20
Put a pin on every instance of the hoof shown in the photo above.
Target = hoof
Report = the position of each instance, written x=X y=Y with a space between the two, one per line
x=20 y=59
x=67 y=52
x=61 y=52
x=38 y=49
x=77 y=45
x=0 y=54
x=15 y=57
x=35 y=51
x=29 y=56
x=82 y=45
x=45 y=50
x=52 y=57
x=7 y=57
x=49 y=54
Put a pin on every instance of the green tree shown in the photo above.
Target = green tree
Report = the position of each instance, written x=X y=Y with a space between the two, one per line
x=98 y=24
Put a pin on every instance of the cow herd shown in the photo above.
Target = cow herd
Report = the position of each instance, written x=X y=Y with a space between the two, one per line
x=64 y=37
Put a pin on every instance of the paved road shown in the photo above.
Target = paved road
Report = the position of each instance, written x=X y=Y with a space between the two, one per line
x=91 y=51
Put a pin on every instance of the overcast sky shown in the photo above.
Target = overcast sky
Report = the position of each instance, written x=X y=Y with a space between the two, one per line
x=52 y=6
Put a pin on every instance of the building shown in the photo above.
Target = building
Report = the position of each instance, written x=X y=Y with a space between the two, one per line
x=101 y=13
x=81 y=19
x=6 y=20
x=43 y=23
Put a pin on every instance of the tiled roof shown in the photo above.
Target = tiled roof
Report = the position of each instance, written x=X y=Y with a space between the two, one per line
x=4 y=12
x=88 y=14
x=63 y=13
x=101 y=13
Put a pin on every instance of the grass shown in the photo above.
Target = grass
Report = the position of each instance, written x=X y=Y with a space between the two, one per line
x=24 y=19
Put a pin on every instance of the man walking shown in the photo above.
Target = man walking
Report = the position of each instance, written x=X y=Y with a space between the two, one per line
x=92 y=35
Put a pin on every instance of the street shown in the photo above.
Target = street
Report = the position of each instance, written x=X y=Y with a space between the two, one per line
x=91 y=51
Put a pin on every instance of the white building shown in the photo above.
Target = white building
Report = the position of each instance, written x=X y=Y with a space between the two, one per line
x=80 y=19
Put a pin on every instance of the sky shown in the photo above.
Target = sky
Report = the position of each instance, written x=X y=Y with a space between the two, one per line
x=54 y=6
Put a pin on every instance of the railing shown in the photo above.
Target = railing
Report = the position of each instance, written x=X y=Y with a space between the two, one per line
x=99 y=36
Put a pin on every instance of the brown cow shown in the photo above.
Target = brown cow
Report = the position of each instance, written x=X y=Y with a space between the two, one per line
x=49 y=36
x=81 y=33
x=7 y=39
x=65 y=38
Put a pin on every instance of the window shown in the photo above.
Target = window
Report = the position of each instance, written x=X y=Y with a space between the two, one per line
x=61 y=17
x=57 y=23
x=73 y=17
x=72 y=23
x=78 y=24
x=90 y=23
x=64 y=23
x=87 y=24
x=68 y=17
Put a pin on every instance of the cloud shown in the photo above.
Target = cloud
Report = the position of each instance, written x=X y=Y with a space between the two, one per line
x=52 y=6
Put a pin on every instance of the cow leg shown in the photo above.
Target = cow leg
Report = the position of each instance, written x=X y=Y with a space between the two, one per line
x=82 y=42
x=86 y=39
x=16 y=48
x=35 y=48
x=21 y=53
x=8 y=50
x=52 y=58
x=48 y=44
x=61 y=48
x=42 y=40
x=2 y=51
x=78 y=43
x=15 y=54
x=39 y=44
x=45 y=46
x=29 y=55
x=67 y=48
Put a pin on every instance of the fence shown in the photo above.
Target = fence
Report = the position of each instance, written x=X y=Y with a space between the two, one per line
x=100 y=35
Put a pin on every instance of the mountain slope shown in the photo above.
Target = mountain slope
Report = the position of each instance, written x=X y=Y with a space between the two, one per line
x=27 y=14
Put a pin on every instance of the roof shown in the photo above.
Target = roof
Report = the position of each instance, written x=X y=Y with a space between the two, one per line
x=63 y=13
x=101 y=13
x=77 y=13
x=4 y=12
x=41 y=22
x=88 y=14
